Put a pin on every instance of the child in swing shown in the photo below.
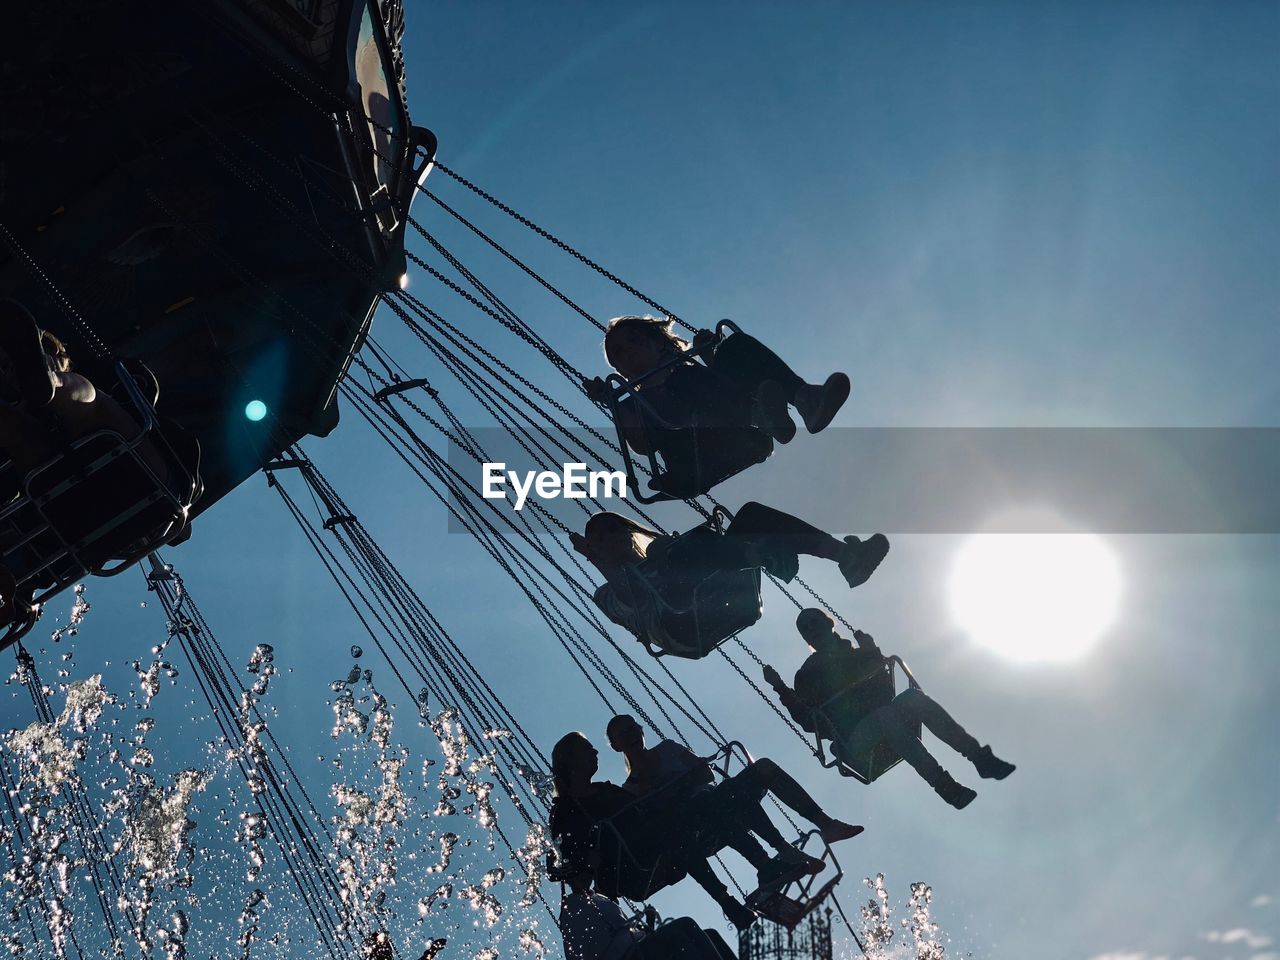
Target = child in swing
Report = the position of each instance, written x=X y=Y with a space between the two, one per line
x=701 y=416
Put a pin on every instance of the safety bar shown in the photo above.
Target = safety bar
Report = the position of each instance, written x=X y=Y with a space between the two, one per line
x=655 y=597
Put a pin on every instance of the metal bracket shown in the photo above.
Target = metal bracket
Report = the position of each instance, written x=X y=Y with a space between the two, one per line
x=402 y=386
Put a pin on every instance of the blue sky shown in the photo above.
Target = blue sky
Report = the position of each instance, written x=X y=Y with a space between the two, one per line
x=989 y=215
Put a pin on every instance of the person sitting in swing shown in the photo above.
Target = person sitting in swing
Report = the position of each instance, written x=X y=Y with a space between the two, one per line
x=47 y=402
x=690 y=791
x=725 y=409
x=872 y=713
x=581 y=803
x=45 y=406
x=757 y=536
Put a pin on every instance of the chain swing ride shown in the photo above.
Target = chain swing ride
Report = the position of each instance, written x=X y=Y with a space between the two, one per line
x=246 y=213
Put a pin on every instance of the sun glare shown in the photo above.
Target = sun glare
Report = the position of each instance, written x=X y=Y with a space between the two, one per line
x=1036 y=596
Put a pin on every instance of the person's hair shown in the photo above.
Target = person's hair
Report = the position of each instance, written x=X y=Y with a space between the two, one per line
x=808 y=618
x=608 y=732
x=55 y=348
x=640 y=535
x=581 y=882
x=562 y=761
x=614 y=722
x=658 y=328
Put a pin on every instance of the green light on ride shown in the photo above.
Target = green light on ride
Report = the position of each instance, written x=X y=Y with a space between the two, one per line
x=255 y=410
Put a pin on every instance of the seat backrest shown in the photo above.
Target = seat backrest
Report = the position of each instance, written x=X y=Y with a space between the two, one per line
x=684 y=460
x=697 y=605
x=838 y=717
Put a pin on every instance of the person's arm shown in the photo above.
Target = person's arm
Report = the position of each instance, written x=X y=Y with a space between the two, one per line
x=866 y=641
x=698 y=770
x=800 y=711
x=77 y=388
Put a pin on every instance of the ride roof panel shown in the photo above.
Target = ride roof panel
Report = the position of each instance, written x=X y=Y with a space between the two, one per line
x=203 y=184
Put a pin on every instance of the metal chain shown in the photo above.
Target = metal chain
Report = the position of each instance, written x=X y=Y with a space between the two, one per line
x=763 y=696
x=83 y=327
x=556 y=241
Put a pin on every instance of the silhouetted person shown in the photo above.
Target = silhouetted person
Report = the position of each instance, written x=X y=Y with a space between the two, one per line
x=45 y=407
x=737 y=396
x=868 y=711
x=593 y=926
x=757 y=536
x=581 y=803
x=48 y=403
x=731 y=811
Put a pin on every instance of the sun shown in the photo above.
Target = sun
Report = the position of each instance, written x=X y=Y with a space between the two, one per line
x=1036 y=596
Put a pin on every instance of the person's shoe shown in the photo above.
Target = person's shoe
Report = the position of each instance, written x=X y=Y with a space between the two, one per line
x=794 y=855
x=741 y=917
x=777 y=873
x=956 y=794
x=838 y=830
x=861 y=557
x=818 y=404
x=991 y=767
x=769 y=412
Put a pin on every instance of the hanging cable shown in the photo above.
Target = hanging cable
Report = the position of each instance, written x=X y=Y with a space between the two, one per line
x=296 y=840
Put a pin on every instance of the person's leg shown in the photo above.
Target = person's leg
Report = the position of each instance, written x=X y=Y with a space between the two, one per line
x=893 y=724
x=778 y=539
x=766 y=375
x=746 y=360
x=756 y=524
x=705 y=877
x=766 y=776
x=917 y=705
x=749 y=847
x=737 y=808
x=758 y=822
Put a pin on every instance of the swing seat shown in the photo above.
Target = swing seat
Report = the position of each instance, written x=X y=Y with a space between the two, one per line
x=98 y=506
x=685 y=460
x=865 y=767
x=682 y=604
x=787 y=904
x=630 y=858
